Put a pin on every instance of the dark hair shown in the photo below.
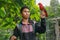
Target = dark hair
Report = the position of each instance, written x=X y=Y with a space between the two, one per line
x=23 y=8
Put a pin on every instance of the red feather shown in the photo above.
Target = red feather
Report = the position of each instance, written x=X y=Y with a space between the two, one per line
x=43 y=9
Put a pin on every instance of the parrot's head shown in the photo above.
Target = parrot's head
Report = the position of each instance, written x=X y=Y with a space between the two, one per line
x=41 y=6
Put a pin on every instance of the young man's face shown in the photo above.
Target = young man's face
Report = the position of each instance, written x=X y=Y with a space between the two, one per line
x=25 y=13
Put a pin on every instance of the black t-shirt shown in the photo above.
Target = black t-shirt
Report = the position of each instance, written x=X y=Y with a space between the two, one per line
x=25 y=34
x=28 y=36
x=40 y=27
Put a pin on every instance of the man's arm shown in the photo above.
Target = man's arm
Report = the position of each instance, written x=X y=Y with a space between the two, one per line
x=15 y=34
x=40 y=27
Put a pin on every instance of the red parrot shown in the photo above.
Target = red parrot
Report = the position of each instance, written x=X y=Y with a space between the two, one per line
x=43 y=9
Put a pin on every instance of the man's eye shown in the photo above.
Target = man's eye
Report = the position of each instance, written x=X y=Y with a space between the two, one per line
x=24 y=11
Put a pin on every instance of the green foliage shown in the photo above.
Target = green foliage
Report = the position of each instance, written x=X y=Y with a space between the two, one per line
x=54 y=6
x=53 y=12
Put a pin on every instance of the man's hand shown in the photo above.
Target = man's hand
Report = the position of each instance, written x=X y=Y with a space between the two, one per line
x=43 y=14
x=13 y=38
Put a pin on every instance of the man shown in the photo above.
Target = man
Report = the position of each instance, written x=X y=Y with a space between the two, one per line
x=27 y=29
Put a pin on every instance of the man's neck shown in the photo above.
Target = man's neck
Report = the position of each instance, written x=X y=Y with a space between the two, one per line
x=25 y=21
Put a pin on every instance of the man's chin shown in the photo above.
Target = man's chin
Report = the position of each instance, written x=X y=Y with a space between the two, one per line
x=25 y=18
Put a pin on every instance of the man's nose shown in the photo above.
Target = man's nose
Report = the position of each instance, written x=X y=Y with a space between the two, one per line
x=27 y=13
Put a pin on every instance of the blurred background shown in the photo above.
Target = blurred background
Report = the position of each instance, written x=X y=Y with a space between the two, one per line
x=10 y=16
